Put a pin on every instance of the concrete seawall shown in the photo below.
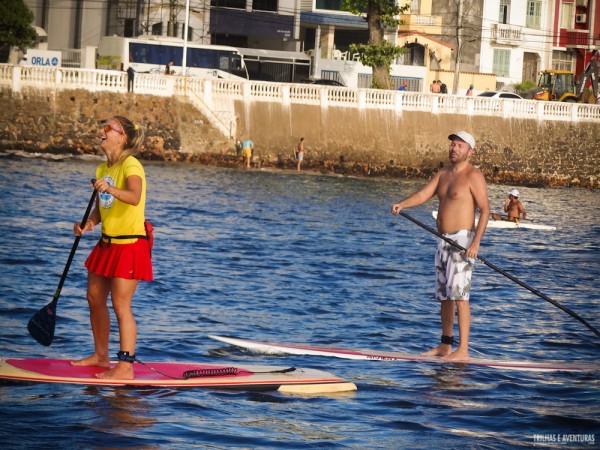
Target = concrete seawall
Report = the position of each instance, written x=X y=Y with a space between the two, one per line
x=344 y=140
x=510 y=150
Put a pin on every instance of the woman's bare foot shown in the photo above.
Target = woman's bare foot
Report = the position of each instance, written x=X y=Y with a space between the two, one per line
x=458 y=355
x=442 y=350
x=122 y=371
x=93 y=360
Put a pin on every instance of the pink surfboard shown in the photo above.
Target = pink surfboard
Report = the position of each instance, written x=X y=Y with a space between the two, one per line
x=175 y=374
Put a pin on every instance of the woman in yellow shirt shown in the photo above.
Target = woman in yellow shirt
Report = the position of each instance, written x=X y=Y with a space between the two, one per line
x=122 y=256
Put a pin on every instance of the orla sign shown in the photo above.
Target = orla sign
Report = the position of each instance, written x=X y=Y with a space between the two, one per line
x=44 y=58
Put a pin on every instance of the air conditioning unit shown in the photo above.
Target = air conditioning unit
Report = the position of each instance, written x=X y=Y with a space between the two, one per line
x=580 y=18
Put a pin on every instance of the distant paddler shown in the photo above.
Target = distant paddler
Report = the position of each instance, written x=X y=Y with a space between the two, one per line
x=513 y=208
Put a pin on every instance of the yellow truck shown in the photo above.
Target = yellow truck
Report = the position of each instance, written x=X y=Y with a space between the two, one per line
x=555 y=85
x=561 y=86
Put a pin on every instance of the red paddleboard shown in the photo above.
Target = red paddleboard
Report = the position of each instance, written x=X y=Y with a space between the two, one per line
x=173 y=374
x=301 y=349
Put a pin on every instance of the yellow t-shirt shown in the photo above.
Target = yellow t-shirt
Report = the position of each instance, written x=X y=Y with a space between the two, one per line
x=120 y=218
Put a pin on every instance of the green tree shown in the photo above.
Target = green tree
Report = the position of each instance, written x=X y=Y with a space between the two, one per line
x=378 y=53
x=15 y=25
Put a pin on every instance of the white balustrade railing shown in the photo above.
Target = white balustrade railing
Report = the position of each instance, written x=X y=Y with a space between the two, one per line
x=210 y=90
x=305 y=94
x=507 y=33
x=425 y=20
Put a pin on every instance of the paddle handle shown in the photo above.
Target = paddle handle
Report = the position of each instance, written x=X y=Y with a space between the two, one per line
x=507 y=275
x=74 y=248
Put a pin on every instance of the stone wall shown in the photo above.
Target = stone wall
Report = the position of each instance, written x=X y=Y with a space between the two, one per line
x=69 y=121
x=550 y=153
x=342 y=140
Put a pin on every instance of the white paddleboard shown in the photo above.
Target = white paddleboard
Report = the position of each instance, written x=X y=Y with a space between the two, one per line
x=273 y=348
x=510 y=225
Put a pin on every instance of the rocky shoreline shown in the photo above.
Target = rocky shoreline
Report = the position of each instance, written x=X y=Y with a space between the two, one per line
x=231 y=159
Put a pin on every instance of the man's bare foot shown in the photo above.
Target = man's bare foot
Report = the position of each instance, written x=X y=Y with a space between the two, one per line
x=458 y=356
x=93 y=360
x=122 y=371
x=441 y=350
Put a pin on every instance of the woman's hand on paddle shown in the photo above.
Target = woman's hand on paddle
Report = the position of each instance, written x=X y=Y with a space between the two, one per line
x=78 y=230
x=101 y=185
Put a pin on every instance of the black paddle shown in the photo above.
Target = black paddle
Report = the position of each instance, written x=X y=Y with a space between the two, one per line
x=507 y=275
x=41 y=325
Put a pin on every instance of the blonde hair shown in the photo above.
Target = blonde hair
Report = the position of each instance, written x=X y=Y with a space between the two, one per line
x=135 y=137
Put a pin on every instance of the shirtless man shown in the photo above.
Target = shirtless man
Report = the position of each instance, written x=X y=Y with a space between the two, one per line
x=461 y=189
x=513 y=207
x=300 y=153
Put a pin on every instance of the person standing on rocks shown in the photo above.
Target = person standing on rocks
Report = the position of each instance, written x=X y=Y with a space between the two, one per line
x=300 y=154
x=247 y=149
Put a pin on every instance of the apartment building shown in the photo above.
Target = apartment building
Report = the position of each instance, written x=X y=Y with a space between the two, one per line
x=513 y=39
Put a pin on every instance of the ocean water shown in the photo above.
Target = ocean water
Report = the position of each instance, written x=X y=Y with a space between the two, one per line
x=301 y=257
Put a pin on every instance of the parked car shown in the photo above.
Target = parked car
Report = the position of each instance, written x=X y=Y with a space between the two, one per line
x=500 y=94
x=323 y=81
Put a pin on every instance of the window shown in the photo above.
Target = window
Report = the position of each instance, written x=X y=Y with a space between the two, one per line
x=501 y=62
x=567 y=11
x=240 y=4
x=128 y=28
x=190 y=35
x=264 y=5
x=154 y=54
x=503 y=14
x=413 y=56
x=157 y=29
x=332 y=5
x=562 y=61
x=534 y=13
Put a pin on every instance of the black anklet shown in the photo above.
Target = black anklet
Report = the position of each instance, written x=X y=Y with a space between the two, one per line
x=125 y=356
x=448 y=340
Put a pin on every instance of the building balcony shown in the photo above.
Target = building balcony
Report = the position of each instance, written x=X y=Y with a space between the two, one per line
x=421 y=24
x=574 y=38
x=503 y=34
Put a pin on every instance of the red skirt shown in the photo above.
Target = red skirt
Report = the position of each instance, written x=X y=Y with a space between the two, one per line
x=129 y=261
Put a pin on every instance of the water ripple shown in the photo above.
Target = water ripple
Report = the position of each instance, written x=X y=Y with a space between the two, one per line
x=299 y=257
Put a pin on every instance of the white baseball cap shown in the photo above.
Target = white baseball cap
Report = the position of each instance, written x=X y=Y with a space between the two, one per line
x=514 y=193
x=464 y=136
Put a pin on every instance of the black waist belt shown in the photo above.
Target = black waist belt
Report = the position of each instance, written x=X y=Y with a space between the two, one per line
x=126 y=236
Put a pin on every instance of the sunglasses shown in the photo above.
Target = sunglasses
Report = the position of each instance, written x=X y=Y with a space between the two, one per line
x=107 y=127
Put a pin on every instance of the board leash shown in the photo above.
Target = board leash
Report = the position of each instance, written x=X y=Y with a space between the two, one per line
x=212 y=372
x=507 y=275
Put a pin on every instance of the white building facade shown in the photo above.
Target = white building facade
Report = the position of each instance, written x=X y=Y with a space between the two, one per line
x=516 y=39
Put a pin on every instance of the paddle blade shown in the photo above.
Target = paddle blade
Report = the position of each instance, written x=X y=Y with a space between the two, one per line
x=41 y=325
